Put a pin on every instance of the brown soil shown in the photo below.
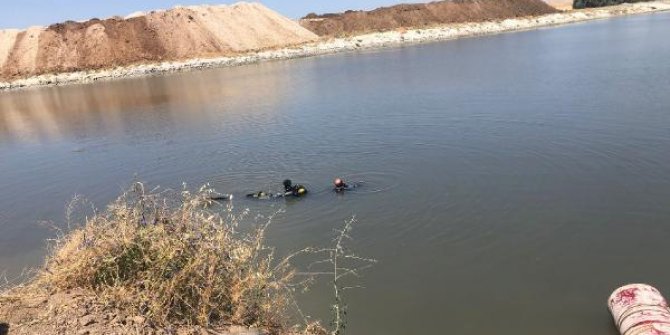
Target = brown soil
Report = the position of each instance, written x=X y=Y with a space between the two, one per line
x=77 y=312
x=176 y=34
x=95 y=44
x=422 y=15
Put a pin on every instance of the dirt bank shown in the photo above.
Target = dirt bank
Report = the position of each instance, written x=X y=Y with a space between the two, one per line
x=176 y=34
x=422 y=15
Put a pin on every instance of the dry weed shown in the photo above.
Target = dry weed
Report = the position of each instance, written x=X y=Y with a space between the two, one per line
x=174 y=262
x=174 y=259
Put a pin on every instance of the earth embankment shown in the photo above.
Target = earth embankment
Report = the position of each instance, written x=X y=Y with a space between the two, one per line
x=422 y=15
x=167 y=35
x=579 y=4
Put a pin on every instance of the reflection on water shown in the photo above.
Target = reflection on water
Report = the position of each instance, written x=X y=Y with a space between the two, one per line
x=47 y=115
x=510 y=182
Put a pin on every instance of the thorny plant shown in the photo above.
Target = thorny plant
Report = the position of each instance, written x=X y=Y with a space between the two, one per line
x=175 y=259
x=340 y=264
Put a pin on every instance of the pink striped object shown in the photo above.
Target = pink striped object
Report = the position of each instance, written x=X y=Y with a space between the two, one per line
x=640 y=309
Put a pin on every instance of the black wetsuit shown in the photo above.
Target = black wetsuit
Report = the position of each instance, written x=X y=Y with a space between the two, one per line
x=223 y=197
x=342 y=188
x=294 y=190
x=290 y=190
x=345 y=187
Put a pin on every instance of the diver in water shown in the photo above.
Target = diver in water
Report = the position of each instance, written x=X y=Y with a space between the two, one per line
x=294 y=190
x=341 y=185
x=290 y=190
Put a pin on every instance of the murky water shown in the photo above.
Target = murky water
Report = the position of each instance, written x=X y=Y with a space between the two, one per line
x=512 y=181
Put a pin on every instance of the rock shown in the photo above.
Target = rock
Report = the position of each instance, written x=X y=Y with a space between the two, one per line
x=139 y=320
x=35 y=302
x=87 y=320
x=83 y=332
x=117 y=319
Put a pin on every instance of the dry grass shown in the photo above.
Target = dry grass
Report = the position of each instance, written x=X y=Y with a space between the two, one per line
x=174 y=262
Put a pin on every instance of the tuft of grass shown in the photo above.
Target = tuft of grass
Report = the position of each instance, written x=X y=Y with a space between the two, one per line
x=175 y=262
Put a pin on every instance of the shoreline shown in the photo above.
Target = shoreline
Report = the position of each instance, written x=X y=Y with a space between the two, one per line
x=328 y=46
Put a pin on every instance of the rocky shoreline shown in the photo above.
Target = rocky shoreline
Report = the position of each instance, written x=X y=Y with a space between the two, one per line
x=337 y=45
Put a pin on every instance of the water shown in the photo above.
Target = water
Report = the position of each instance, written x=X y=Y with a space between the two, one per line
x=513 y=181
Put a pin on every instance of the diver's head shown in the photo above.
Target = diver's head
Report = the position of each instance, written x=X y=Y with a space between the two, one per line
x=288 y=183
x=338 y=182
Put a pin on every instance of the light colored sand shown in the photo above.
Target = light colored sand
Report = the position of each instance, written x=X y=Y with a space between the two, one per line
x=560 y=4
x=24 y=52
x=335 y=45
x=293 y=34
x=135 y=14
x=7 y=40
x=189 y=39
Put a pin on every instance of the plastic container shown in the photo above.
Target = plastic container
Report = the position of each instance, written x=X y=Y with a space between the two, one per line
x=640 y=309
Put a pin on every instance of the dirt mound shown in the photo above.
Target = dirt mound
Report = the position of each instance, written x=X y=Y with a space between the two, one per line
x=176 y=34
x=422 y=15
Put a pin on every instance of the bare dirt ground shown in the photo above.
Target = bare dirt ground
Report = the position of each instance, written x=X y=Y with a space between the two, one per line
x=422 y=15
x=75 y=312
x=176 y=34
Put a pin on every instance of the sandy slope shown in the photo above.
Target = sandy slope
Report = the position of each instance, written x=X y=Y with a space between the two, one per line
x=24 y=52
x=176 y=34
x=7 y=40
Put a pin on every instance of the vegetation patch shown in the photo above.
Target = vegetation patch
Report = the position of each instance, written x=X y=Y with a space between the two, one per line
x=150 y=263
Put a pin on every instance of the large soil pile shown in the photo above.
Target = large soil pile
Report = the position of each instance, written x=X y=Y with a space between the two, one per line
x=422 y=15
x=179 y=33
